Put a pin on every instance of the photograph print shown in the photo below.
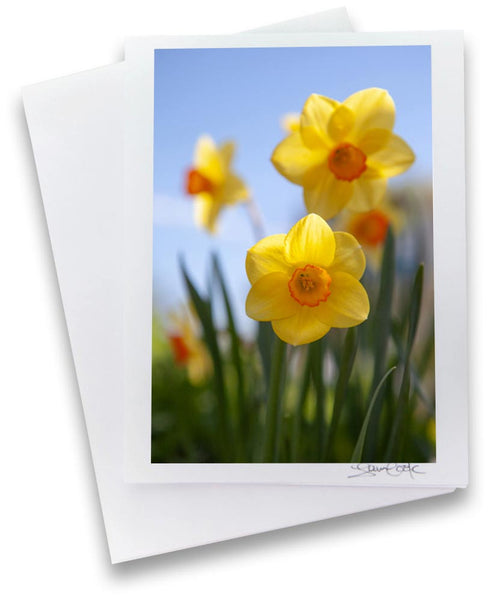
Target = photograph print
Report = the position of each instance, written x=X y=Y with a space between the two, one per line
x=293 y=302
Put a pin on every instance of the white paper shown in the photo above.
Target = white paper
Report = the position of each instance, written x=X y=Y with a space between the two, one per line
x=76 y=127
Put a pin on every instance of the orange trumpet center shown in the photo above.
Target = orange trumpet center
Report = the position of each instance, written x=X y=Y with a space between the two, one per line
x=347 y=162
x=181 y=352
x=310 y=285
x=370 y=228
x=198 y=183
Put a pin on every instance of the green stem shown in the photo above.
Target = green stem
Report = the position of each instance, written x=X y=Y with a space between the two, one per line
x=204 y=311
x=317 y=353
x=381 y=332
x=346 y=367
x=274 y=403
x=398 y=432
x=358 y=451
x=297 y=424
x=237 y=364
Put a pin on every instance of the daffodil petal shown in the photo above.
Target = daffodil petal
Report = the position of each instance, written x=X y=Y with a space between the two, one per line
x=374 y=140
x=233 y=190
x=368 y=191
x=310 y=241
x=267 y=256
x=206 y=212
x=293 y=159
x=340 y=123
x=226 y=152
x=324 y=194
x=348 y=303
x=315 y=117
x=302 y=328
x=374 y=109
x=349 y=256
x=393 y=159
x=269 y=298
x=207 y=160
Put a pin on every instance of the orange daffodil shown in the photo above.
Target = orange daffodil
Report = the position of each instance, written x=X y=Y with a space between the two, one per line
x=212 y=181
x=344 y=152
x=307 y=281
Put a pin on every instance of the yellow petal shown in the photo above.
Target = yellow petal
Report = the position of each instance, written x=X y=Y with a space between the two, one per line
x=374 y=109
x=233 y=190
x=374 y=140
x=368 y=191
x=349 y=256
x=347 y=305
x=393 y=159
x=310 y=241
x=314 y=121
x=207 y=160
x=293 y=159
x=269 y=298
x=267 y=256
x=206 y=212
x=324 y=194
x=301 y=328
x=226 y=152
x=341 y=123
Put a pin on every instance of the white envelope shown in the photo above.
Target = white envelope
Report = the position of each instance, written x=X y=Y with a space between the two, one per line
x=76 y=127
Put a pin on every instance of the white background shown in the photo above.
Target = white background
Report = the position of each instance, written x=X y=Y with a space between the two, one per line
x=52 y=539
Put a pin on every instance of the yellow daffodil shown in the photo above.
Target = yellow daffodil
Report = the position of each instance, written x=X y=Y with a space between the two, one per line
x=307 y=281
x=188 y=350
x=370 y=228
x=344 y=152
x=212 y=181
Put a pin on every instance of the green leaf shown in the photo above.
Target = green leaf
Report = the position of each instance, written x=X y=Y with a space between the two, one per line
x=356 y=457
x=346 y=367
x=399 y=426
x=381 y=330
x=236 y=359
x=265 y=339
x=274 y=403
x=298 y=416
x=317 y=361
x=415 y=308
x=204 y=312
x=416 y=373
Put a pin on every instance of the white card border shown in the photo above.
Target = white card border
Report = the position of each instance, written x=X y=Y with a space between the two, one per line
x=451 y=467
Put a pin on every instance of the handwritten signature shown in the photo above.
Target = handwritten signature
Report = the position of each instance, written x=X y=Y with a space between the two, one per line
x=391 y=469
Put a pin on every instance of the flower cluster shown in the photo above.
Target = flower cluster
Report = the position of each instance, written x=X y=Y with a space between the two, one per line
x=342 y=155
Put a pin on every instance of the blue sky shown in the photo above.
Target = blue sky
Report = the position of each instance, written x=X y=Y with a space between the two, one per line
x=241 y=94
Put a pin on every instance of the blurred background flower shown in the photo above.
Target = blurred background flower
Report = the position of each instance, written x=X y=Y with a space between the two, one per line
x=370 y=228
x=212 y=181
x=187 y=347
